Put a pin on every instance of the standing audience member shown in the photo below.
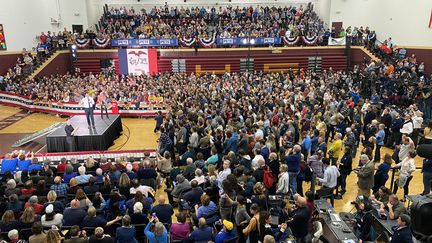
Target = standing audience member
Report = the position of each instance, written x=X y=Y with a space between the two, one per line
x=365 y=176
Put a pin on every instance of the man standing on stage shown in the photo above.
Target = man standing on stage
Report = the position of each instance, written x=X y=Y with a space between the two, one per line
x=102 y=101
x=70 y=139
x=87 y=102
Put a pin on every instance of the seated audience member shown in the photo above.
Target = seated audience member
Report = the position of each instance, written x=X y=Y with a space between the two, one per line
x=310 y=198
x=27 y=219
x=138 y=217
x=28 y=188
x=300 y=219
x=266 y=229
x=99 y=175
x=13 y=236
x=146 y=172
x=136 y=186
x=98 y=201
x=74 y=214
x=91 y=188
x=199 y=177
x=41 y=189
x=15 y=204
x=100 y=237
x=53 y=236
x=146 y=202
x=126 y=233
x=269 y=239
x=92 y=220
x=402 y=231
x=82 y=198
x=90 y=164
x=52 y=199
x=208 y=210
x=51 y=217
x=189 y=171
x=23 y=163
x=158 y=234
x=180 y=230
x=124 y=185
x=8 y=221
x=73 y=186
x=182 y=185
x=61 y=167
x=76 y=236
x=193 y=196
x=60 y=188
x=11 y=188
x=38 y=235
x=35 y=165
x=395 y=207
x=226 y=233
x=130 y=173
x=163 y=211
x=69 y=174
x=33 y=202
x=203 y=233
x=82 y=178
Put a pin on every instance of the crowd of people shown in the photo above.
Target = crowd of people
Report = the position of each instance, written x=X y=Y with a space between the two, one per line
x=224 y=147
x=225 y=22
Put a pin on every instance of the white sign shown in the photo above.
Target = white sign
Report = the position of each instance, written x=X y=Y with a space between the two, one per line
x=138 y=61
x=336 y=41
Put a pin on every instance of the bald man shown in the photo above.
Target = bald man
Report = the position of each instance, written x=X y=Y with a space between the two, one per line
x=73 y=215
x=163 y=211
x=300 y=219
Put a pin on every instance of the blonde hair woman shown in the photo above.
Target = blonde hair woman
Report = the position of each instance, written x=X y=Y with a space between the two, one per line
x=53 y=236
x=124 y=185
x=27 y=218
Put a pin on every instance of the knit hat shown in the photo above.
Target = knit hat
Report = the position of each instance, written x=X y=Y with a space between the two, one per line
x=228 y=225
x=49 y=209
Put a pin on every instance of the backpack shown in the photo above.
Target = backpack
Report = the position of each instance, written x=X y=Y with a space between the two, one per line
x=268 y=178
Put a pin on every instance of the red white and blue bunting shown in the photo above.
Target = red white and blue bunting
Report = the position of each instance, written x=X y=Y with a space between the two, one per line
x=187 y=41
x=208 y=42
x=310 y=40
x=82 y=43
x=292 y=40
x=101 y=42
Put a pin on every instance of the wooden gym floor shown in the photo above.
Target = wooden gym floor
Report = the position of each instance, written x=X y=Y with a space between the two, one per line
x=138 y=134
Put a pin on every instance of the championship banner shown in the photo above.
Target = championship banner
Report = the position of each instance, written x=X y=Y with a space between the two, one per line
x=138 y=61
x=2 y=39
x=248 y=41
x=336 y=41
x=145 y=42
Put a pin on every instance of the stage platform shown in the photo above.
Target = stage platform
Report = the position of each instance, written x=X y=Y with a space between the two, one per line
x=107 y=130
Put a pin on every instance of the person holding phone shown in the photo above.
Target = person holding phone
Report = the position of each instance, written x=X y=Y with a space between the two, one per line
x=155 y=231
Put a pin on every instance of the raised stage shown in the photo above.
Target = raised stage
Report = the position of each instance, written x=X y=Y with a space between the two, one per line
x=101 y=138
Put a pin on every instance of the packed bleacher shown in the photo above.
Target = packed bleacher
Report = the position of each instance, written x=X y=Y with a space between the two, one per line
x=248 y=141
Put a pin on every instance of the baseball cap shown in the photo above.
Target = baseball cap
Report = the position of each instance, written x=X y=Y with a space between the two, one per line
x=228 y=225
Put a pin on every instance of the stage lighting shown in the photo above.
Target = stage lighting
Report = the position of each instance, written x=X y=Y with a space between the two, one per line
x=74 y=47
x=252 y=41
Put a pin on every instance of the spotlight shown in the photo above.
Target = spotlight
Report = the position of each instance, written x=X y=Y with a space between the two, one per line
x=74 y=47
x=252 y=41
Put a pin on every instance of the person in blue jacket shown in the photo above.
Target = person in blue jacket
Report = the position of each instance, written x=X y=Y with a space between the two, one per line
x=24 y=163
x=402 y=232
x=159 y=234
x=35 y=165
x=226 y=233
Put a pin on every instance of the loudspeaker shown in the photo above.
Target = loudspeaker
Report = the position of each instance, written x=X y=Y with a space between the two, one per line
x=425 y=151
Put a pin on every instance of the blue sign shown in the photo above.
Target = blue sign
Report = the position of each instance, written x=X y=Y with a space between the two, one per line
x=145 y=42
x=249 y=41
